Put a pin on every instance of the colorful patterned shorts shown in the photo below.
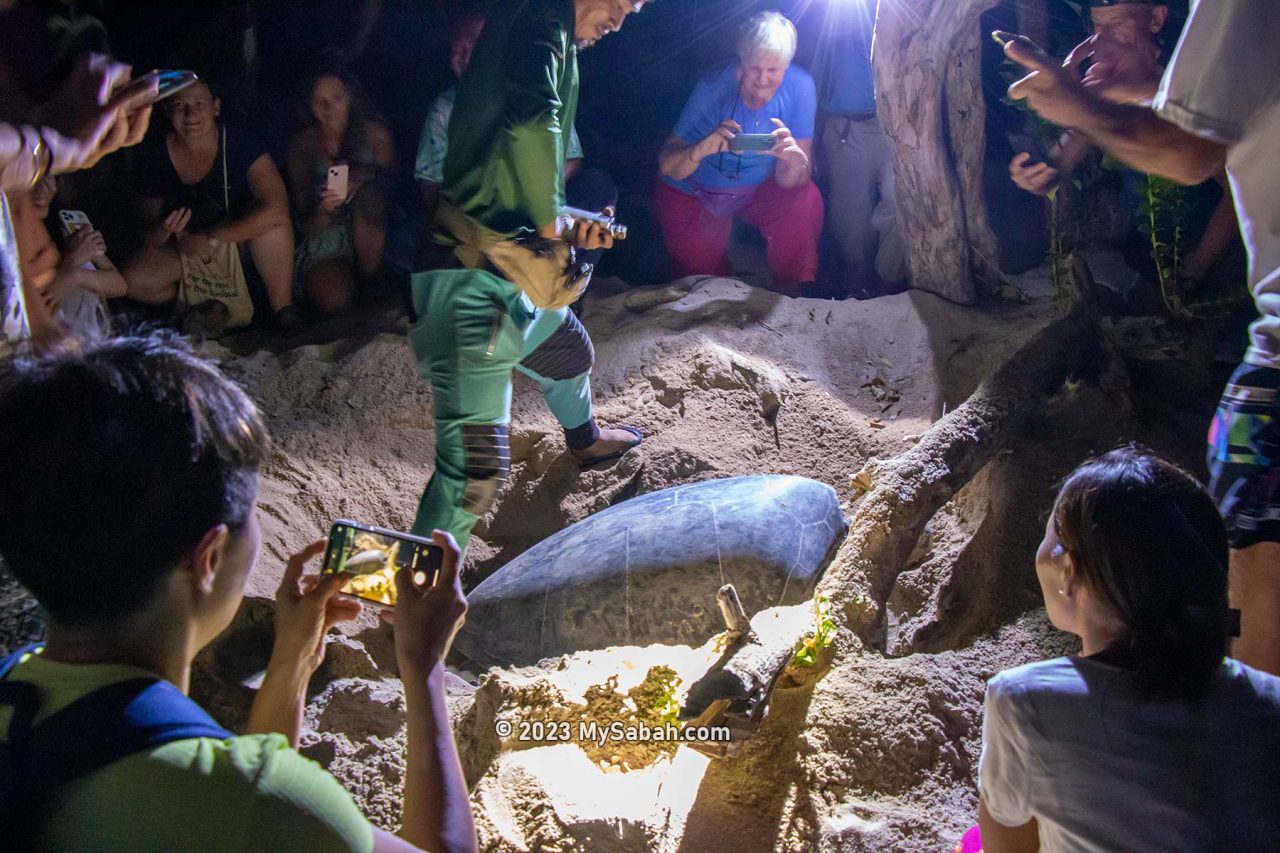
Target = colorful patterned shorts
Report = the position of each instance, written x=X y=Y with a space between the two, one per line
x=1244 y=456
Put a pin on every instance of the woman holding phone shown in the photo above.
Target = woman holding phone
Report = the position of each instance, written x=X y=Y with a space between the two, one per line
x=205 y=183
x=742 y=149
x=337 y=164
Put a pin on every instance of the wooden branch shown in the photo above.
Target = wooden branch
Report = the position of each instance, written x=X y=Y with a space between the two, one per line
x=735 y=690
x=928 y=84
x=903 y=493
x=967 y=117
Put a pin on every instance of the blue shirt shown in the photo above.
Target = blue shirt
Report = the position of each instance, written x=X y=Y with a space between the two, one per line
x=837 y=35
x=715 y=99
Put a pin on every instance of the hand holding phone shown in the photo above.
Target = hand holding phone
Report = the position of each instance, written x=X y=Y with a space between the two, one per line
x=429 y=616
x=306 y=607
x=1026 y=143
x=371 y=556
x=72 y=221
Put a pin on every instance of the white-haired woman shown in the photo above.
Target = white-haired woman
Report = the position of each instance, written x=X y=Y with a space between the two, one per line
x=707 y=180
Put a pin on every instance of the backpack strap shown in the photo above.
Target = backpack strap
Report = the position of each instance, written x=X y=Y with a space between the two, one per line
x=15 y=658
x=98 y=729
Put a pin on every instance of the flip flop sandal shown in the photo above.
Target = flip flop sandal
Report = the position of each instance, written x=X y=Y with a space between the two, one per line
x=596 y=460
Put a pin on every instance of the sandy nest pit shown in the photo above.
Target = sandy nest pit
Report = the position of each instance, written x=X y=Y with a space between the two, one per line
x=726 y=380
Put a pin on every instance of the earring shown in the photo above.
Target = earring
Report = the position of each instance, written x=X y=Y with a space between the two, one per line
x=1061 y=591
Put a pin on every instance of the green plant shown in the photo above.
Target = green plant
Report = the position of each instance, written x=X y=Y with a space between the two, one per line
x=1164 y=213
x=808 y=649
x=655 y=697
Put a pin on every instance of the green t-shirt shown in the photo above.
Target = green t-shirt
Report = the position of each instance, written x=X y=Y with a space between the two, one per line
x=248 y=793
x=510 y=126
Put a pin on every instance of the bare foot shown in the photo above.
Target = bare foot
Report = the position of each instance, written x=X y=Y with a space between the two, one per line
x=611 y=444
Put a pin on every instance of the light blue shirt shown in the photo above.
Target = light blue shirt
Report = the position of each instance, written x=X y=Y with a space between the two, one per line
x=715 y=99
x=434 y=142
x=840 y=33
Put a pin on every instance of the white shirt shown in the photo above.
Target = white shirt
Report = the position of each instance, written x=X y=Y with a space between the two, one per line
x=13 y=309
x=1069 y=743
x=1224 y=84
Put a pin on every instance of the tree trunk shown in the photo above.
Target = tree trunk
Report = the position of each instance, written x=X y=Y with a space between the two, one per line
x=901 y=495
x=929 y=97
x=904 y=492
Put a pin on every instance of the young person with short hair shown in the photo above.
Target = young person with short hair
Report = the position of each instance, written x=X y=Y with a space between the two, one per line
x=131 y=475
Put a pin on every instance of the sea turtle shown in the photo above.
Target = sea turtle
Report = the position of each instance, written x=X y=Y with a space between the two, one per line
x=647 y=570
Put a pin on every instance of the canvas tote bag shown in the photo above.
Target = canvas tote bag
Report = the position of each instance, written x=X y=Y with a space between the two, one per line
x=219 y=275
x=549 y=272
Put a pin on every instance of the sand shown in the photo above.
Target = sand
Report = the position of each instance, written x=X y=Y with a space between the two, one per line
x=724 y=380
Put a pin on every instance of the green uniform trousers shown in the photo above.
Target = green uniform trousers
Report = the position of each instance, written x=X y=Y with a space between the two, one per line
x=473 y=329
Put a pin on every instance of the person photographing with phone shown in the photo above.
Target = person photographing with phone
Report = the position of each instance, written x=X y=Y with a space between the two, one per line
x=133 y=473
x=84 y=120
x=339 y=164
x=715 y=167
x=85 y=277
x=1218 y=106
x=1124 y=59
x=507 y=306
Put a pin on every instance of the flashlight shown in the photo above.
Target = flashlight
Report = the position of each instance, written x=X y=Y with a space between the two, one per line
x=616 y=229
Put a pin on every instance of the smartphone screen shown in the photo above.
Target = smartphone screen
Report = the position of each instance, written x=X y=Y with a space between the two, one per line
x=372 y=556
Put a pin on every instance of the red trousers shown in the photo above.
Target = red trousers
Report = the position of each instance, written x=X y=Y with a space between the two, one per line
x=789 y=219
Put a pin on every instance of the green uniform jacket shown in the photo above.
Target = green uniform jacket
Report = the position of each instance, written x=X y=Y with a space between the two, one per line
x=513 y=116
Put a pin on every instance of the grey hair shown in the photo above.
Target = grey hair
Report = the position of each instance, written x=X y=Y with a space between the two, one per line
x=767 y=32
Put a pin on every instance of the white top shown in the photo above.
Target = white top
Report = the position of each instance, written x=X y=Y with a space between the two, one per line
x=1069 y=743
x=1224 y=84
x=13 y=309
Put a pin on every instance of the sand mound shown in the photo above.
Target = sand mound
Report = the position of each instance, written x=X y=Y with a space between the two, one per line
x=725 y=380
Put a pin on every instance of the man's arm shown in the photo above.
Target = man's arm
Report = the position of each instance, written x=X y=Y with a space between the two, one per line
x=1131 y=133
x=307 y=606
x=271 y=205
x=535 y=118
x=436 y=811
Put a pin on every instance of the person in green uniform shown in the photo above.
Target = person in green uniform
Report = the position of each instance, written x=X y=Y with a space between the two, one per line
x=504 y=178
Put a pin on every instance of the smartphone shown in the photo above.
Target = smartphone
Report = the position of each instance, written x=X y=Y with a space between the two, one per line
x=1025 y=143
x=170 y=83
x=751 y=142
x=1002 y=38
x=373 y=555
x=337 y=180
x=72 y=221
